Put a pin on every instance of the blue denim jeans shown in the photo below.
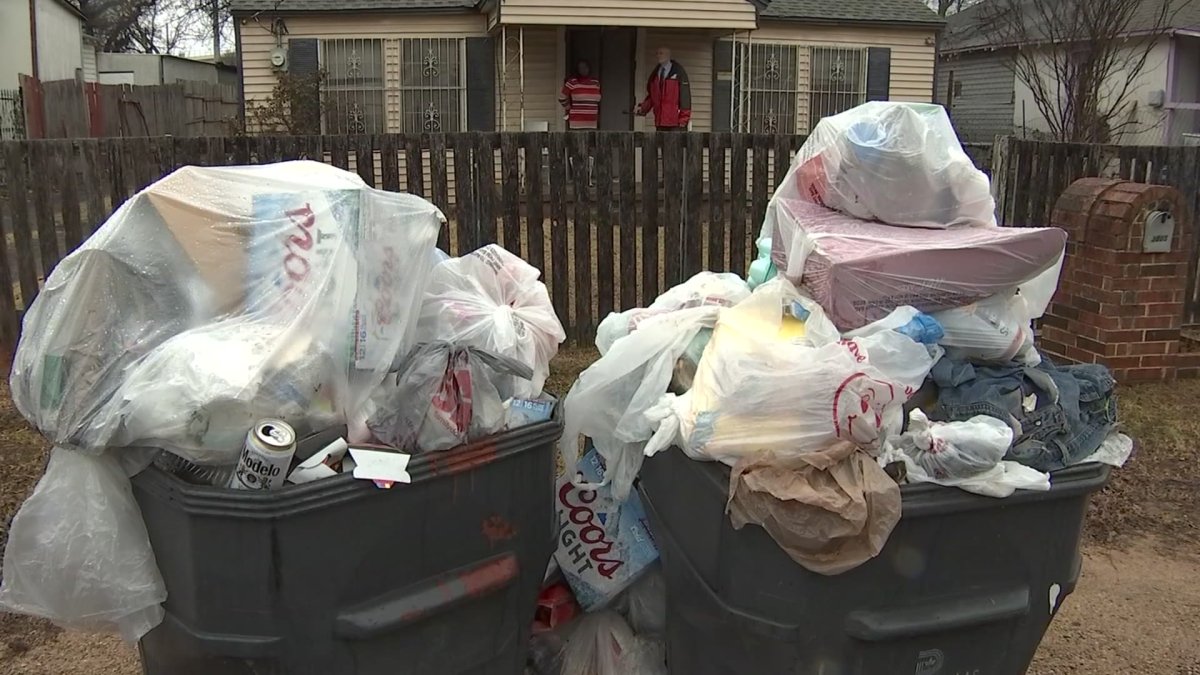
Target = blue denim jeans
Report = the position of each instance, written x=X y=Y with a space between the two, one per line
x=1059 y=415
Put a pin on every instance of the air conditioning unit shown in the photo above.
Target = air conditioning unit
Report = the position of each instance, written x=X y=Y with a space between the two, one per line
x=1191 y=139
x=279 y=59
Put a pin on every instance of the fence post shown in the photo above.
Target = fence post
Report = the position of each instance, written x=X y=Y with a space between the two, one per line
x=35 y=107
x=1001 y=159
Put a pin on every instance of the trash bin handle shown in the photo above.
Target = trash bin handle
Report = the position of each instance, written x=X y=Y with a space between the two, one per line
x=961 y=612
x=435 y=595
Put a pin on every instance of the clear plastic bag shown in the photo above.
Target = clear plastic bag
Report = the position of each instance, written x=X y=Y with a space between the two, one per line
x=213 y=296
x=898 y=163
x=754 y=390
x=861 y=270
x=298 y=267
x=78 y=553
x=492 y=299
x=603 y=644
x=609 y=401
x=704 y=289
x=443 y=396
x=994 y=330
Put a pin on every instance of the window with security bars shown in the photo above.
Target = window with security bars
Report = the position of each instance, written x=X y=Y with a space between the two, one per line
x=838 y=81
x=432 y=85
x=771 y=83
x=352 y=91
x=789 y=88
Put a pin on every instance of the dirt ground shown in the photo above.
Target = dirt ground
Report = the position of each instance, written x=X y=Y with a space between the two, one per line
x=1136 y=610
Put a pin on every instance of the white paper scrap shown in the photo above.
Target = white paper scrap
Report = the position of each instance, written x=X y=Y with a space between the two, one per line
x=381 y=466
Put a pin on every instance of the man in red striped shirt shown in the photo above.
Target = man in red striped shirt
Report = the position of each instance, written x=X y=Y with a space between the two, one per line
x=580 y=99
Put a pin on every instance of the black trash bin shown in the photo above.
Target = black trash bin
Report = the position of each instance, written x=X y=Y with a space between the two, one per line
x=339 y=577
x=966 y=585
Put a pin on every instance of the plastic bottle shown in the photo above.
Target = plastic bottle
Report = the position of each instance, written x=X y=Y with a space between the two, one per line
x=762 y=270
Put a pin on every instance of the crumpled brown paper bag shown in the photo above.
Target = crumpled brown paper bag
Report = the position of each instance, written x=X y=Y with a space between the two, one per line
x=831 y=511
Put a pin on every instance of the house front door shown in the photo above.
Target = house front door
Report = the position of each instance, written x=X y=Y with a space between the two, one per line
x=610 y=52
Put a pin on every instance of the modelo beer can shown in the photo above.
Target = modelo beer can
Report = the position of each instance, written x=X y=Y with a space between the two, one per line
x=266 y=456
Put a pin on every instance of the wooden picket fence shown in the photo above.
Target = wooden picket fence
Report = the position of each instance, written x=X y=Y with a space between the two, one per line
x=612 y=219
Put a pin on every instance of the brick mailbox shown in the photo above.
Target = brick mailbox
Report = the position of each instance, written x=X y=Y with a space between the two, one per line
x=1120 y=299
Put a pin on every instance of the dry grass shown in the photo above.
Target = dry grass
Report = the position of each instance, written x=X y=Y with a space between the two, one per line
x=1158 y=491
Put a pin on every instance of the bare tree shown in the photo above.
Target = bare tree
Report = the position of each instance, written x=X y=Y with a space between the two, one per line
x=1080 y=59
x=947 y=7
x=157 y=26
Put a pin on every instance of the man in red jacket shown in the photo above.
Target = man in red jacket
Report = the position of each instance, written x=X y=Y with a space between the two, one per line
x=668 y=94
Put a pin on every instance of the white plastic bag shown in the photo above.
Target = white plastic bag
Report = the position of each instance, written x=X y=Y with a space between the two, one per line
x=78 y=553
x=899 y=163
x=608 y=402
x=492 y=299
x=967 y=455
x=754 y=390
x=704 y=289
x=995 y=330
x=1114 y=451
x=443 y=396
x=603 y=644
x=955 y=449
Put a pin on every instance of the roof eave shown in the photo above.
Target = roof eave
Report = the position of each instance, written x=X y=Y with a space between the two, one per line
x=381 y=10
x=934 y=25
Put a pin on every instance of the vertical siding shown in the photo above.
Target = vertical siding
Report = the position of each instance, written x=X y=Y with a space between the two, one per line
x=542 y=81
x=984 y=109
x=912 y=50
x=727 y=14
x=59 y=39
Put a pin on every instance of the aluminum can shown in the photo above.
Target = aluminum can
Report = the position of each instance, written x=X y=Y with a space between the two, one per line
x=266 y=456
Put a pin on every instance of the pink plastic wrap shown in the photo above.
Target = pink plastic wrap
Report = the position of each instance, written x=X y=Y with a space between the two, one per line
x=860 y=271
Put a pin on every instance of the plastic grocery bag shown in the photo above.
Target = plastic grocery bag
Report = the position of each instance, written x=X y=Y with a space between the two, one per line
x=602 y=644
x=955 y=449
x=492 y=299
x=78 y=553
x=898 y=163
x=292 y=265
x=704 y=289
x=443 y=396
x=995 y=330
x=756 y=390
x=608 y=402
x=967 y=455
x=830 y=510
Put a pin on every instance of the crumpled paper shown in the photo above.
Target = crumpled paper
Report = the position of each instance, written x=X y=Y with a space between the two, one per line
x=830 y=510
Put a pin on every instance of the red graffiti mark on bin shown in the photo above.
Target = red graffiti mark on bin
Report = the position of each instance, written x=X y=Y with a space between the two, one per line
x=496 y=529
x=590 y=533
x=463 y=459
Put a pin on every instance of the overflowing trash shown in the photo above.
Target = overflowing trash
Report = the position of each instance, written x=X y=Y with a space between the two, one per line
x=253 y=328
x=269 y=328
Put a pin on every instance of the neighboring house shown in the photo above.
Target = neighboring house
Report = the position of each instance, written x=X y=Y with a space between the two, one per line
x=150 y=69
x=456 y=65
x=47 y=42
x=977 y=85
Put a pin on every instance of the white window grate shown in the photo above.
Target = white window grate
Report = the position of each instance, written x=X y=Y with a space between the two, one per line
x=433 y=85
x=418 y=87
x=352 y=92
x=781 y=88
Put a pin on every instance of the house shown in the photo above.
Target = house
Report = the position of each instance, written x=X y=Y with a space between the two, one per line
x=456 y=65
x=151 y=69
x=45 y=39
x=985 y=98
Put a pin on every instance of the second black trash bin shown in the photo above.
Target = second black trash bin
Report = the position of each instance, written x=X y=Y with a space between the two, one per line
x=338 y=577
x=966 y=585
